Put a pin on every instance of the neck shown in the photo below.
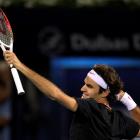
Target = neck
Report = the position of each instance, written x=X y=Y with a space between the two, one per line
x=102 y=101
x=105 y=102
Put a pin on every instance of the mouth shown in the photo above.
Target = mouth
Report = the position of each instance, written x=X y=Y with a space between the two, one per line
x=84 y=96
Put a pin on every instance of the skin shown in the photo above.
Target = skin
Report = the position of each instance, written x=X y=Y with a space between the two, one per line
x=135 y=113
x=89 y=90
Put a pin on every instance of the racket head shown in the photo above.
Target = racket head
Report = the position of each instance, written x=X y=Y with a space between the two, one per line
x=6 y=34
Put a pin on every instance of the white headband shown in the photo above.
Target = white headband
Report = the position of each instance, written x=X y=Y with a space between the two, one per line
x=98 y=79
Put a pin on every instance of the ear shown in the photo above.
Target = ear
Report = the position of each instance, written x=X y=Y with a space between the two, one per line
x=105 y=93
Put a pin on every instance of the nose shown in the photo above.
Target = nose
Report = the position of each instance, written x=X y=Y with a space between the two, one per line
x=83 y=88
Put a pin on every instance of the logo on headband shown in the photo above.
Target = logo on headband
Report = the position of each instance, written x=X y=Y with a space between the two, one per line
x=98 y=79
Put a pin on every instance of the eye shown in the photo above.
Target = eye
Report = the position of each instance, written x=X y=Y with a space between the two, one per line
x=89 y=86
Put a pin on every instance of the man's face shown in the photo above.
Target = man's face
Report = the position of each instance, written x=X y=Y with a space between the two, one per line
x=90 y=89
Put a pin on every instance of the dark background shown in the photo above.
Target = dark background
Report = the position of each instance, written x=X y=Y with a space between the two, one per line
x=56 y=42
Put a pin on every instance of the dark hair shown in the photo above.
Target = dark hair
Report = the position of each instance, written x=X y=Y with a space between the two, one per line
x=112 y=78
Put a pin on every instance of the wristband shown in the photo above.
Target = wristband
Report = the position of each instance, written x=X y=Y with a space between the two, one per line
x=128 y=101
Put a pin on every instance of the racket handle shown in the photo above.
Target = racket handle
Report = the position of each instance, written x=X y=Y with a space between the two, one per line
x=17 y=81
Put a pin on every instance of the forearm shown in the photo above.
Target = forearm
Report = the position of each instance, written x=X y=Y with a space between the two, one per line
x=136 y=114
x=44 y=85
x=48 y=88
x=130 y=104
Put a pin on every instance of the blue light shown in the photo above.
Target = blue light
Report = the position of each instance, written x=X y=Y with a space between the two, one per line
x=85 y=62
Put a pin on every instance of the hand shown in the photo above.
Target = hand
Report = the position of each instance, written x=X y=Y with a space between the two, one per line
x=11 y=58
x=120 y=95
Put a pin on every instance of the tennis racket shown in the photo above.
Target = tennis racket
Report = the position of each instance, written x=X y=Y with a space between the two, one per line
x=6 y=43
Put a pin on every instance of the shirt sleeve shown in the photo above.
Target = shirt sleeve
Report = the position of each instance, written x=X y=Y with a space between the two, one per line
x=85 y=106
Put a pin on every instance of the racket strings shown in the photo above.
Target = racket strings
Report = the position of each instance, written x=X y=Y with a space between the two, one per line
x=6 y=35
x=6 y=39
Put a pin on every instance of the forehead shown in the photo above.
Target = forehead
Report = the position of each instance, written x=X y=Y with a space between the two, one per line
x=90 y=81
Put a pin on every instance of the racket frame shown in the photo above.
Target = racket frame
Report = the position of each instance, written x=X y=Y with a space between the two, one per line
x=14 y=71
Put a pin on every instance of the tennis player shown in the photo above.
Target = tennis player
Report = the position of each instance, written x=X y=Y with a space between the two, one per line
x=94 y=118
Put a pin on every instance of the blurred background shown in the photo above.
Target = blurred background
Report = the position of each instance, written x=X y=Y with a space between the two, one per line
x=62 y=40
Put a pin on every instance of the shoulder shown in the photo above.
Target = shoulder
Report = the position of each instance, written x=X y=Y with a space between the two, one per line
x=86 y=102
x=86 y=105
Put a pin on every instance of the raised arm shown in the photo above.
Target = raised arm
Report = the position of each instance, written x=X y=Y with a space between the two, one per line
x=43 y=84
x=136 y=114
x=132 y=107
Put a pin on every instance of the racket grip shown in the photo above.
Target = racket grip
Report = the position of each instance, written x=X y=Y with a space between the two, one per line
x=17 y=81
